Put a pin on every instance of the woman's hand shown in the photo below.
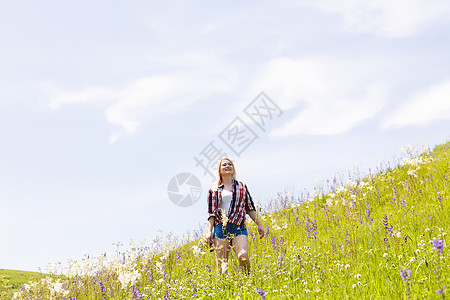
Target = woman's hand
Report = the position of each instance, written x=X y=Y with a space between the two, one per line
x=261 y=230
x=208 y=237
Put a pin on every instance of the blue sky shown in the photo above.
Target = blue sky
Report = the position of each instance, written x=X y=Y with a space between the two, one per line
x=102 y=103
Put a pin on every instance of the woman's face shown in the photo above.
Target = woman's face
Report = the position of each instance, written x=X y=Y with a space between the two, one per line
x=226 y=167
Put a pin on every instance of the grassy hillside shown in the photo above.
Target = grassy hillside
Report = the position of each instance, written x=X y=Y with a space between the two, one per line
x=11 y=281
x=379 y=237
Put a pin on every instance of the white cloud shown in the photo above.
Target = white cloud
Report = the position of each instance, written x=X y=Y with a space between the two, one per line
x=144 y=99
x=424 y=108
x=336 y=95
x=389 y=18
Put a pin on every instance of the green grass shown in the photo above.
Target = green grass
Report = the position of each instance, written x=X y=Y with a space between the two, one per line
x=12 y=280
x=354 y=242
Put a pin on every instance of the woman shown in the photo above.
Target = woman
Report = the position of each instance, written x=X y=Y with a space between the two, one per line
x=228 y=202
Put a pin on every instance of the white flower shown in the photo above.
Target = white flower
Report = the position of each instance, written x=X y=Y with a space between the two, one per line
x=347 y=266
x=385 y=255
x=197 y=250
x=354 y=286
x=17 y=295
x=352 y=184
x=224 y=266
x=412 y=259
x=400 y=256
x=358 y=276
x=128 y=276
x=341 y=190
x=412 y=172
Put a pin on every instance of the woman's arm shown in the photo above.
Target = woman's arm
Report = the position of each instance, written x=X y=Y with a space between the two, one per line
x=208 y=236
x=254 y=216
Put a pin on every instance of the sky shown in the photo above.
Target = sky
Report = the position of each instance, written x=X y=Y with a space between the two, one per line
x=104 y=103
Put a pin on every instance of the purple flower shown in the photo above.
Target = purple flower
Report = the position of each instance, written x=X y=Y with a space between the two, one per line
x=406 y=274
x=150 y=276
x=166 y=295
x=441 y=291
x=274 y=242
x=368 y=212
x=102 y=290
x=136 y=293
x=386 y=224
x=438 y=245
x=311 y=227
x=261 y=292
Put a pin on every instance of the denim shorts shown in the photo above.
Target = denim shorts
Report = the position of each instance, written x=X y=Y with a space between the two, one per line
x=231 y=231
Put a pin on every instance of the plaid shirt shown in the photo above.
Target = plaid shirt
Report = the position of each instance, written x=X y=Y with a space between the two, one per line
x=241 y=203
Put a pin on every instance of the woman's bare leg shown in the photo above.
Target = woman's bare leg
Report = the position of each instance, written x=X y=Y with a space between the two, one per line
x=222 y=250
x=240 y=245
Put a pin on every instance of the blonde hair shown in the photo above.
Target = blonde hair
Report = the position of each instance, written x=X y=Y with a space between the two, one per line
x=218 y=180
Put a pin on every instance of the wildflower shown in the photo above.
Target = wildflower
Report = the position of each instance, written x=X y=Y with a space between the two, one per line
x=197 y=250
x=441 y=291
x=406 y=274
x=103 y=290
x=166 y=295
x=358 y=276
x=438 y=245
x=400 y=256
x=412 y=172
x=351 y=184
x=347 y=266
x=385 y=255
x=224 y=266
x=261 y=292
x=354 y=286
x=274 y=242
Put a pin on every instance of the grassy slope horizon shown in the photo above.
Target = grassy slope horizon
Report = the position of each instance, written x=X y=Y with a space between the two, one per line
x=381 y=236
